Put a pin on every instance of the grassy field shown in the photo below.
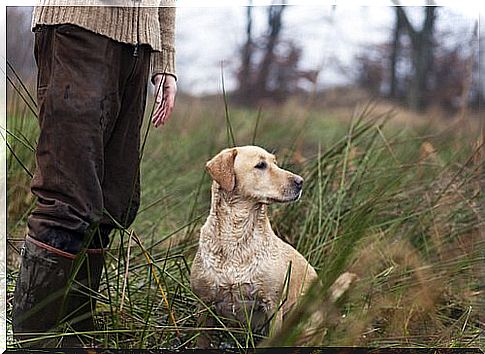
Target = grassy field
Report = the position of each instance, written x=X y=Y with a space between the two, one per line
x=395 y=201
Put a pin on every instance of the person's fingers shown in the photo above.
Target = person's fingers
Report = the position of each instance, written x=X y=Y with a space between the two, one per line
x=158 y=108
x=164 y=112
x=169 y=107
x=158 y=114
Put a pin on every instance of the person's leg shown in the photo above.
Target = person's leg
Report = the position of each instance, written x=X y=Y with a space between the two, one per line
x=121 y=184
x=82 y=297
x=121 y=190
x=78 y=97
x=40 y=288
x=77 y=100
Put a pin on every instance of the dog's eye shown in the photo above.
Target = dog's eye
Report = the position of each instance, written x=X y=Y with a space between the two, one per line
x=261 y=166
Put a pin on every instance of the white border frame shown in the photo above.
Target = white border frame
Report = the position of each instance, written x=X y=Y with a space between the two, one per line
x=471 y=5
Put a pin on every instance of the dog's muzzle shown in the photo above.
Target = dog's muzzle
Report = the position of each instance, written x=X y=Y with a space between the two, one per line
x=297 y=187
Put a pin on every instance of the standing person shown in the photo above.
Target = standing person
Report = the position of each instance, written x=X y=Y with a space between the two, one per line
x=93 y=63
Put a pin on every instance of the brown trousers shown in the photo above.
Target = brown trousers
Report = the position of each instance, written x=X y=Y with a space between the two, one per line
x=91 y=95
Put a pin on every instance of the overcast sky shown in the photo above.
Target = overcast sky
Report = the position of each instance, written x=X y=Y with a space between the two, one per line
x=330 y=38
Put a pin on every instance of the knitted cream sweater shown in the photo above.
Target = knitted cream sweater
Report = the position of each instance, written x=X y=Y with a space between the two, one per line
x=127 y=21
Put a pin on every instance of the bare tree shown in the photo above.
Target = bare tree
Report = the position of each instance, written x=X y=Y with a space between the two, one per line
x=269 y=66
x=275 y=14
x=395 y=49
x=438 y=69
x=244 y=74
x=422 y=54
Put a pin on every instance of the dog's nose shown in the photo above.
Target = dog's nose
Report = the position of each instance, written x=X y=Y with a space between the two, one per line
x=298 y=182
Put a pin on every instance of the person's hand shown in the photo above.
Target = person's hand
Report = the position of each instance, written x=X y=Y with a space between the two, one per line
x=165 y=91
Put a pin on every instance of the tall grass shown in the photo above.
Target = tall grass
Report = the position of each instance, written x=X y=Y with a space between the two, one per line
x=407 y=221
x=401 y=208
x=20 y=140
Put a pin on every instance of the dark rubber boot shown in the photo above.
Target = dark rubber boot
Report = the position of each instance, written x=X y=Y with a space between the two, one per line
x=40 y=292
x=81 y=298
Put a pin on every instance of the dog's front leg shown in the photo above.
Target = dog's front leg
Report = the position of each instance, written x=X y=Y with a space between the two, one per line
x=205 y=321
x=277 y=321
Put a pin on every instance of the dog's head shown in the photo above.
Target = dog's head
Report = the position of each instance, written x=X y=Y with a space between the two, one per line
x=252 y=172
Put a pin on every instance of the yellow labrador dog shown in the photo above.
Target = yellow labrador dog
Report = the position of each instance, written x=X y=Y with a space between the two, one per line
x=241 y=267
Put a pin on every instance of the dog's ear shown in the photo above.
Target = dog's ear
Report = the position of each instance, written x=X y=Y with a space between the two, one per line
x=221 y=168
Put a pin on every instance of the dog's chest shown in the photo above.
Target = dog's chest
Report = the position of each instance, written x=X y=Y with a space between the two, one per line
x=239 y=273
x=236 y=265
x=240 y=289
x=242 y=302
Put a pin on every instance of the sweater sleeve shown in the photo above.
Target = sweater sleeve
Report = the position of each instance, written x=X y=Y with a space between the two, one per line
x=163 y=62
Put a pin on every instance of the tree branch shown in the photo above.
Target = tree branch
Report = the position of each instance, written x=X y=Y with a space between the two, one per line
x=413 y=34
